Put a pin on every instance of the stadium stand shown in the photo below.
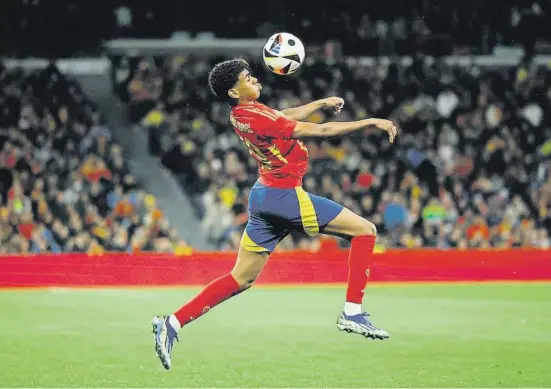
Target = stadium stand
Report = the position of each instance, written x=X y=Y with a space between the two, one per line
x=65 y=185
x=361 y=27
x=471 y=167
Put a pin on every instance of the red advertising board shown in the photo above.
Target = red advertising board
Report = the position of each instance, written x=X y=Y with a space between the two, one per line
x=294 y=267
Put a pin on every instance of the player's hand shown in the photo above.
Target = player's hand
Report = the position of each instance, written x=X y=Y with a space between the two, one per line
x=336 y=103
x=388 y=126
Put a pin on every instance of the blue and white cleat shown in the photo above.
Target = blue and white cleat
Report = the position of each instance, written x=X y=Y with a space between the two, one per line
x=360 y=324
x=164 y=336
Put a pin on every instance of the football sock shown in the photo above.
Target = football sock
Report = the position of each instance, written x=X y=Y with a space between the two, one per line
x=213 y=294
x=351 y=309
x=174 y=322
x=359 y=261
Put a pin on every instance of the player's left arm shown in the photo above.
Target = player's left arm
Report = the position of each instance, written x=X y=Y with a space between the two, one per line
x=303 y=111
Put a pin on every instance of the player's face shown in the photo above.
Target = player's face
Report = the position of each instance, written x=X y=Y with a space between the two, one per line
x=247 y=87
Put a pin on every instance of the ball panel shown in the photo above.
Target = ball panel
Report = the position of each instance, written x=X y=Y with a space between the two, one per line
x=268 y=54
x=294 y=67
x=277 y=63
x=286 y=49
x=286 y=69
x=294 y=57
x=275 y=44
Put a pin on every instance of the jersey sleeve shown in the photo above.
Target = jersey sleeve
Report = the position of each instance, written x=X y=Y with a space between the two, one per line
x=268 y=124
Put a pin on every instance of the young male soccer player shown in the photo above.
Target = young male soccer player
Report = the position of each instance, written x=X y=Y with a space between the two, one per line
x=278 y=204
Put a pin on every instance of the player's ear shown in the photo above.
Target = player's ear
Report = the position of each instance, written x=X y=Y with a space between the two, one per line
x=234 y=94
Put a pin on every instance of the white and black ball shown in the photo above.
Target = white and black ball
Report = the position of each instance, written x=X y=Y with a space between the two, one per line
x=283 y=53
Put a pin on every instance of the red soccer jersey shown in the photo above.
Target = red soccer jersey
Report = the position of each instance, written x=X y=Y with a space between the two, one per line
x=282 y=161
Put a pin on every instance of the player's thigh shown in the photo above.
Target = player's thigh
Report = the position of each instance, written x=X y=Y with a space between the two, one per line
x=269 y=221
x=315 y=214
x=263 y=233
x=312 y=213
x=347 y=224
x=248 y=266
x=257 y=242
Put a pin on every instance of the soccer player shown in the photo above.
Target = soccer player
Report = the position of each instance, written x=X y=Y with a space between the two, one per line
x=279 y=204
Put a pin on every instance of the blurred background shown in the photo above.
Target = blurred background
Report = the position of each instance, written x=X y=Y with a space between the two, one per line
x=111 y=141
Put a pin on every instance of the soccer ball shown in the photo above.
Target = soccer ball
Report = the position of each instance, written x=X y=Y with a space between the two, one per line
x=283 y=53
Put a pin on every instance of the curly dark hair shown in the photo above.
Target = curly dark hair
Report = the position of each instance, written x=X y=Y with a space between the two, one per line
x=223 y=77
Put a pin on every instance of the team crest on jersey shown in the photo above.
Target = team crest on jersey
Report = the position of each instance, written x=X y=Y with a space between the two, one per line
x=243 y=127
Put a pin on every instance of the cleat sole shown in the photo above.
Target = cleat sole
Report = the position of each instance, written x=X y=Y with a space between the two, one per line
x=361 y=331
x=156 y=324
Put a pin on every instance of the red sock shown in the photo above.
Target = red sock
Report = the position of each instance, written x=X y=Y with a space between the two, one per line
x=213 y=294
x=359 y=262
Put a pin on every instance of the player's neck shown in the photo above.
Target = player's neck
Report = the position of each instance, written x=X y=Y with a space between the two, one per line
x=245 y=102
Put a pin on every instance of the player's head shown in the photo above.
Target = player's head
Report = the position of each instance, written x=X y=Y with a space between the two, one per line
x=232 y=81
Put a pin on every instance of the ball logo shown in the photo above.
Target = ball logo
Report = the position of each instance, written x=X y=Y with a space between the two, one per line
x=206 y=309
x=275 y=49
x=276 y=45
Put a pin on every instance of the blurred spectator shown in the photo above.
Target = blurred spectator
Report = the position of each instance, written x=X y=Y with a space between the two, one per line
x=65 y=184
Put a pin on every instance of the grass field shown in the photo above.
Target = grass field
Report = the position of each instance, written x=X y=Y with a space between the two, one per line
x=491 y=335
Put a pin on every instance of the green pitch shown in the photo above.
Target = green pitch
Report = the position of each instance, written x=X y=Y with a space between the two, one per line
x=491 y=335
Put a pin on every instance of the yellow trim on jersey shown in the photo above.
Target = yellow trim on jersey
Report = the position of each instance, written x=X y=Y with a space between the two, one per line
x=307 y=212
x=275 y=151
x=269 y=115
x=248 y=244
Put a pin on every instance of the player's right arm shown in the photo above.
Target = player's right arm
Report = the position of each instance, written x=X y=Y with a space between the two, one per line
x=333 y=129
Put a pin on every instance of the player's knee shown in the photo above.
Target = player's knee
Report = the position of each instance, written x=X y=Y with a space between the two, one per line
x=248 y=266
x=245 y=278
x=365 y=227
x=247 y=284
x=244 y=281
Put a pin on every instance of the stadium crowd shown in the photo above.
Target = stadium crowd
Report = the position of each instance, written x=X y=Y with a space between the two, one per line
x=471 y=167
x=361 y=27
x=65 y=186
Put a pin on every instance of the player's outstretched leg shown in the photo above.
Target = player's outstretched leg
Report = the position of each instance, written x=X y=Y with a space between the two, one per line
x=165 y=328
x=362 y=234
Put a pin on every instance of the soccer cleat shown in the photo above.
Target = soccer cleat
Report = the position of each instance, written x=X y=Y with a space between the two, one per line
x=360 y=324
x=164 y=335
